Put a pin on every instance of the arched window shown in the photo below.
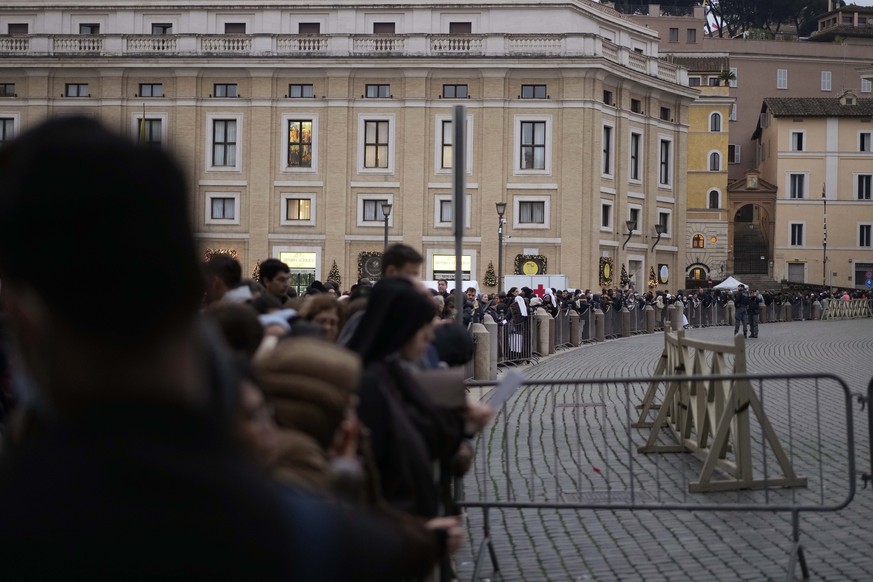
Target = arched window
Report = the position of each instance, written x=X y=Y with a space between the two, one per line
x=714 y=162
x=715 y=122
x=697 y=241
x=714 y=199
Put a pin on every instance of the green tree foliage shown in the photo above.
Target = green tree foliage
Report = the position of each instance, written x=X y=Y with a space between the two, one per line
x=734 y=17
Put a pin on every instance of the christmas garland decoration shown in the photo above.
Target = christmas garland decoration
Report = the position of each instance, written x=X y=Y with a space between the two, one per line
x=363 y=257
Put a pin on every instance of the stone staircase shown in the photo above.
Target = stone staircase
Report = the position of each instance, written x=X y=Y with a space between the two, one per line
x=759 y=282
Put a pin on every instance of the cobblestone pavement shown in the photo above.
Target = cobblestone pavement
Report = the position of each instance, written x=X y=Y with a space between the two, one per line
x=561 y=440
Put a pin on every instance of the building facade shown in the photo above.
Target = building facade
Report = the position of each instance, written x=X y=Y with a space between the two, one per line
x=819 y=153
x=296 y=124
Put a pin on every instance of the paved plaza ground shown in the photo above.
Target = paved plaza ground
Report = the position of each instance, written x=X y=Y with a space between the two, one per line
x=544 y=461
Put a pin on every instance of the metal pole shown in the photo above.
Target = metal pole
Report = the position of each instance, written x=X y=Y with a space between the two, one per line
x=499 y=253
x=385 y=248
x=458 y=171
x=824 y=260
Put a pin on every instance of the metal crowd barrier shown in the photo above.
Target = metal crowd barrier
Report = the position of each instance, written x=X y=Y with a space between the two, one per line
x=515 y=342
x=562 y=328
x=637 y=318
x=569 y=445
x=588 y=328
x=701 y=315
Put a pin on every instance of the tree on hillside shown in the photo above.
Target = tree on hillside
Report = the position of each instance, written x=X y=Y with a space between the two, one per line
x=734 y=17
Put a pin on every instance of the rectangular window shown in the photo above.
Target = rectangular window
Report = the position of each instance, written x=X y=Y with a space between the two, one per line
x=454 y=91
x=865 y=186
x=796 y=235
x=383 y=28
x=607 y=150
x=300 y=143
x=636 y=141
x=734 y=151
x=447 y=211
x=665 y=114
x=446 y=145
x=534 y=92
x=864 y=235
x=151 y=89
x=89 y=28
x=223 y=208
x=460 y=28
x=782 y=78
x=298 y=209
x=376 y=91
x=149 y=131
x=224 y=142
x=694 y=81
x=531 y=212
x=664 y=221
x=797 y=185
x=608 y=98
x=533 y=145
x=7 y=89
x=691 y=35
x=634 y=216
x=673 y=35
x=373 y=210
x=162 y=28
x=300 y=91
x=825 y=80
x=7 y=129
x=606 y=216
x=234 y=28
x=866 y=85
x=714 y=81
x=796 y=141
x=636 y=106
x=225 y=90
x=309 y=28
x=376 y=144
x=17 y=28
x=664 y=162
x=864 y=141
x=76 y=90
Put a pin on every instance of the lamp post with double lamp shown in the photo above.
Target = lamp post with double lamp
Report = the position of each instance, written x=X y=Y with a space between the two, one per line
x=501 y=210
x=386 y=212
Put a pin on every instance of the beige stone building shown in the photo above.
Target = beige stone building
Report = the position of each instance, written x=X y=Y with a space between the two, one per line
x=819 y=153
x=296 y=123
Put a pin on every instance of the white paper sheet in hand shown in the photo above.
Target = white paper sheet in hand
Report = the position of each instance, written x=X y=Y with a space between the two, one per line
x=504 y=390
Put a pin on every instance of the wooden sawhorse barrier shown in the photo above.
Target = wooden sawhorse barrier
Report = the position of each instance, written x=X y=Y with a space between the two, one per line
x=711 y=417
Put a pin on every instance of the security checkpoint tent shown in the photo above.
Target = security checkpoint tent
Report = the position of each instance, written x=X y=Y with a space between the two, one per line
x=729 y=284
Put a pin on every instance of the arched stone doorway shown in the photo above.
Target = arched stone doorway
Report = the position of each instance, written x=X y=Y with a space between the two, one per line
x=752 y=239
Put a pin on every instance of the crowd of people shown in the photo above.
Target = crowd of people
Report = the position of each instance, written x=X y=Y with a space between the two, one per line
x=193 y=424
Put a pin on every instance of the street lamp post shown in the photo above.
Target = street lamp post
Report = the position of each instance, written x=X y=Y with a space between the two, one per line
x=501 y=210
x=631 y=227
x=386 y=212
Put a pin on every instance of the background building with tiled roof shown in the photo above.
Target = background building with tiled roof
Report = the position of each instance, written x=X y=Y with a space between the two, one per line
x=819 y=153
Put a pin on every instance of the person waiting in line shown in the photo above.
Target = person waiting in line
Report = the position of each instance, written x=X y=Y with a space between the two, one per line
x=275 y=276
x=135 y=473
x=324 y=311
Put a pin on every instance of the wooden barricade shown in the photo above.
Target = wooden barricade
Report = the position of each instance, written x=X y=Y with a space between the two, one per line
x=711 y=417
x=851 y=309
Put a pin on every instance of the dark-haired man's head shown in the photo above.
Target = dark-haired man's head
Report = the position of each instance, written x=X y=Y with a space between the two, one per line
x=401 y=260
x=221 y=273
x=126 y=210
x=275 y=276
x=71 y=183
